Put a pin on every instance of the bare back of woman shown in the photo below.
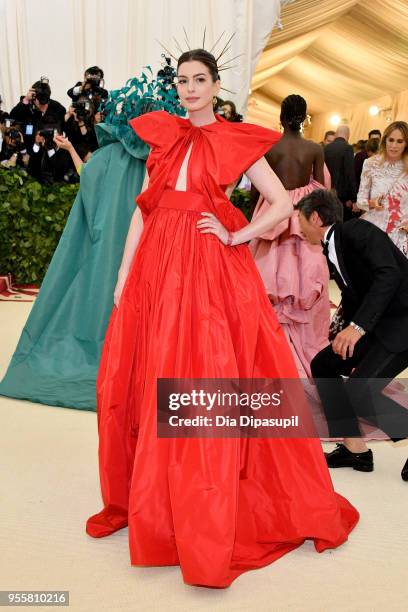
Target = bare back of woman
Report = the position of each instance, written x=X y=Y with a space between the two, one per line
x=295 y=160
x=295 y=273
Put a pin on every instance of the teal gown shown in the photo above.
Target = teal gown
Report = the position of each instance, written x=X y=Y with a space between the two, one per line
x=57 y=357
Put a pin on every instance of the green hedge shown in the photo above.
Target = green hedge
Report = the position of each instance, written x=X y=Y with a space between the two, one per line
x=32 y=217
x=242 y=199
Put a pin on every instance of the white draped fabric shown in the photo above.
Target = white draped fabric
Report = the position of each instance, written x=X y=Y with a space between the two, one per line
x=60 y=38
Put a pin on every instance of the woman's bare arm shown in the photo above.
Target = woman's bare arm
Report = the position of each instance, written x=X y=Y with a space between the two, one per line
x=132 y=240
x=267 y=183
x=133 y=236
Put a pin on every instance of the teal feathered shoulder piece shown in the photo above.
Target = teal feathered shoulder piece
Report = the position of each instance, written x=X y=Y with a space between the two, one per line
x=140 y=95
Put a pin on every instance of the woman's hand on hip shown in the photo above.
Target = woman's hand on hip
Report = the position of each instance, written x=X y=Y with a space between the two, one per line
x=211 y=225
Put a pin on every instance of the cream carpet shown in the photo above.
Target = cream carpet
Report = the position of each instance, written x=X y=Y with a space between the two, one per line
x=49 y=486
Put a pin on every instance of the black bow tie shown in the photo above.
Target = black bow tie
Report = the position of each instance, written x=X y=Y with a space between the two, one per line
x=325 y=243
x=325 y=246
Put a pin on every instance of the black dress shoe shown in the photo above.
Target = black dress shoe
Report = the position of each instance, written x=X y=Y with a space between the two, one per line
x=404 y=473
x=342 y=457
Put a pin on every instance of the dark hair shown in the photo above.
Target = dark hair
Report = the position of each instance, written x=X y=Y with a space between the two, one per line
x=329 y=133
x=232 y=105
x=360 y=145
x=44 y=86
x=372 y=145
x=370 y=134
x=95 y=70
x=203 y=56
x=293 y=112
x=325 y=203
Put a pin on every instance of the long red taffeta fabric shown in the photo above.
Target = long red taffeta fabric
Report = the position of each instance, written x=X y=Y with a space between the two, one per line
x=194 y=308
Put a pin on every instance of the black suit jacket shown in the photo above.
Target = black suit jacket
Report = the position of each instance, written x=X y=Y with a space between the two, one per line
x=359 y=160
x=26 y=115
x=376 y=273
x=339 y=158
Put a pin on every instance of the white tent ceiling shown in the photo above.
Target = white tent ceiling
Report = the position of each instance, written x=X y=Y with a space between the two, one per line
x=335 y=53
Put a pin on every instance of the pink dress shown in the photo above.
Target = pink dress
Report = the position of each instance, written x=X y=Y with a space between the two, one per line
x=296 y=278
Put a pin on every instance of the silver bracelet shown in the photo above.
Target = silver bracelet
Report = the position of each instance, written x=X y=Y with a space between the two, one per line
x=357 y=328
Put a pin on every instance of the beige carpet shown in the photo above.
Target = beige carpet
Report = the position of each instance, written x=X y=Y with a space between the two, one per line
x=49 y=486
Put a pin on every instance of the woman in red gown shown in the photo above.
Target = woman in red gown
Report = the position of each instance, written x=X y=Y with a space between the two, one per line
x=190 y=303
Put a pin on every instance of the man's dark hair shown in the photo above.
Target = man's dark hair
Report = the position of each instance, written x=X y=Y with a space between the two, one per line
x=325 y=203
x=370 y=134
x=44 y=86
x=95 y=70
x=372 y=145
x=329 y=133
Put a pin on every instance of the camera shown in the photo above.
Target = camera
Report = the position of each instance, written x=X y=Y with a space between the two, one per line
x=94 y=90
x=13 y=136
x=83 y=109
x=92 y=86
x=93 y=76
x=167 y=74
x=3 y=117
x=48 y=134
x=42 y=91
x=71 y=176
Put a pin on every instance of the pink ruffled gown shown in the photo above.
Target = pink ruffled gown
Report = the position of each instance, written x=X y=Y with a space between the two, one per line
x=296 y=278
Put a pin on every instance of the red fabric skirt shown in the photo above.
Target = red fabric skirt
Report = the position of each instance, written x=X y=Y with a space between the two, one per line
x=193 y=308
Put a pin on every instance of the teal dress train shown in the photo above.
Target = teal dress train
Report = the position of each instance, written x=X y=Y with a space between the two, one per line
x=57 y=356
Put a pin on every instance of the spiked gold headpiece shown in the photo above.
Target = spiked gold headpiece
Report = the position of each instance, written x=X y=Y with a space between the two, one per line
x=227 y=47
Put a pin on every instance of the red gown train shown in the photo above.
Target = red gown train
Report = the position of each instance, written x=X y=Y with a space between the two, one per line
x=194 y=308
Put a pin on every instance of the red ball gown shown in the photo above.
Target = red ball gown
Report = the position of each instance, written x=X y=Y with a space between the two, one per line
x=194 y=308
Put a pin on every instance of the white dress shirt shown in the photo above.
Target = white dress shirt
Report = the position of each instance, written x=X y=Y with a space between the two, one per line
x=332 y=252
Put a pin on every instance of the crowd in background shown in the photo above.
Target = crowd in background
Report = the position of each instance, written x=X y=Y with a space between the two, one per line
x=371 y=177
x=52 y=142
x=49 y=141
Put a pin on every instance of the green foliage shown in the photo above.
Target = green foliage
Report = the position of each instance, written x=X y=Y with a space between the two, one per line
x=32 y=217
x=242 y=200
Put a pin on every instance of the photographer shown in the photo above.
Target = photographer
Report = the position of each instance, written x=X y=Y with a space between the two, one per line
x=49 y=163
x=79 y=123
x=37 y=107
x=91 y=87
x=13 y=149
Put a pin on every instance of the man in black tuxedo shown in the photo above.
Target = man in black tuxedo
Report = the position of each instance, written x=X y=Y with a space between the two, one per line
x=36 y=108
x=372 y=347
x=339 y=158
